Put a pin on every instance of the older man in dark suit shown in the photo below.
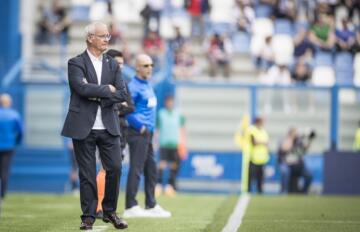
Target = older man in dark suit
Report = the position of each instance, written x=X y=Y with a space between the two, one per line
x=96 y=87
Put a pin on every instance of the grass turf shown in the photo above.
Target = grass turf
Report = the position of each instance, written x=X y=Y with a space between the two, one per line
x=39 y=212
x=302 y=214
x=191 y=212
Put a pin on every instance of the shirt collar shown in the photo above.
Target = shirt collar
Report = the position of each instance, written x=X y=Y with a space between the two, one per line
x=140 y=80
x=93 y=58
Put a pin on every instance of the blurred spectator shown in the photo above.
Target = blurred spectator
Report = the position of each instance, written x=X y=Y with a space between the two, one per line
x=345 y=36
x=295 y=160
x=285 y=9
x=219 y=49
x=356 y=47
x=352 y=6
x=304 y=50
x=54 y=24
x=154 y=46
x=151 y=15
x=302 y=72
x=184 y=63
x=197 y=9
x=356 y=145
x=178 y=41
x=116 y=35
x=266 y=57
x=259 y=154
x=278 y=75
x=245 y=15
x=170 y=123
x=322 y=34
x=11 y=132
x=284 y=149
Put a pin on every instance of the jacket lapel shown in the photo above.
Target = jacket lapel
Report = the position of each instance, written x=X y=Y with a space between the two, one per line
x=91 y=73
x=105 y=73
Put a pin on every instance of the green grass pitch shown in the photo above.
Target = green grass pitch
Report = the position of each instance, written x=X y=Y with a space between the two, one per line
x=191 y=212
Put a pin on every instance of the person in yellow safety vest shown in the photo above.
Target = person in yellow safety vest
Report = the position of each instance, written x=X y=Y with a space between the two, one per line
x=259 y=153
x=356 y=145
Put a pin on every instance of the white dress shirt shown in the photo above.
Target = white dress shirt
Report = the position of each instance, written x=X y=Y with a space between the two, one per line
x=97 y=63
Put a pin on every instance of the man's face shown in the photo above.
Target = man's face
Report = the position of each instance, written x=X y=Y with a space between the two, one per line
x=100 y=39
x=120 y=61
x=144 y=68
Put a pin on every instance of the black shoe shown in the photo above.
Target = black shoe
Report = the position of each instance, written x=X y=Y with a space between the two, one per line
x=99 y=214
x=86 y=224
x=118 y=223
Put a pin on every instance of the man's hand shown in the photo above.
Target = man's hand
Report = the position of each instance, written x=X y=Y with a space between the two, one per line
x=124 y=104
x=112 y=88
x=143 y=130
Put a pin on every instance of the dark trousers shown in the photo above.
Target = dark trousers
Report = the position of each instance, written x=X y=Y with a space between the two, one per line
x=171 y=157
x=5 y=162
x=298 y=171
x=110 y=154
x=256 y=173
x=142 y=160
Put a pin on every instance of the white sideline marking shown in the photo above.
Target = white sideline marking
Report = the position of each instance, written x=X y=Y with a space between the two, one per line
x=236 y=217
x=99 y=228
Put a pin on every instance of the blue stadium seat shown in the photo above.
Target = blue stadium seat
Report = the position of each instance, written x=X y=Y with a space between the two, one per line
x=80 y=13
x=221 y=28
x=343 y=61
x=241 y=42
x=323 y=59
x=344 y=77
x=284 y=26
x=263 y=11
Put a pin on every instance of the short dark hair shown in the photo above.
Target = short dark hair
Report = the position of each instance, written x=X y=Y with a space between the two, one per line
x=114 y=53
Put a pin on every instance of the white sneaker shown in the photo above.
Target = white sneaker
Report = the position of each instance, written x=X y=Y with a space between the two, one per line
x=158 y=212
x=135 y=211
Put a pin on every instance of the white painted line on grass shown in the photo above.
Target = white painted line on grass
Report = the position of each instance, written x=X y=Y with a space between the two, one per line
x=99 y=228
x=236 y=217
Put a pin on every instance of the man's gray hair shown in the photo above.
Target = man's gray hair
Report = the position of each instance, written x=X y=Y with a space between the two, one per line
x=91 y=28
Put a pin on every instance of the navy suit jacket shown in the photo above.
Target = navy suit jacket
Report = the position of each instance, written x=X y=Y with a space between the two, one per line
x=85 y=97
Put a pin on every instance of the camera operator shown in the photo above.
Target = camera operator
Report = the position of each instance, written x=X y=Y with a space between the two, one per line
x=291 y=153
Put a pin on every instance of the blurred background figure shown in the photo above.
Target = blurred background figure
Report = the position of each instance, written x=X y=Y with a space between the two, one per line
x=218 y=53
x=54 y=24
x=153 y=45
x=197 y=10
x=285 y=148
x=356 y=145
x=170 y=124
x=74 y=169
x=11 y=132
x=295 y=148
x=259 y=154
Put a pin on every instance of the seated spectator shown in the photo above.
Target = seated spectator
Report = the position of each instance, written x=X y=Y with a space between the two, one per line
x=322 y=34
x=178 y=41
x=285 y=9
x=154 y=46
x=345 y=37
x=184 y=63
x=54 y=24
x=278 y=74
x=116 y=35
x=266 y=58
x=356 y=47
x=302 y=72
x=218 y=53
x=245 y=15
x=303 y=47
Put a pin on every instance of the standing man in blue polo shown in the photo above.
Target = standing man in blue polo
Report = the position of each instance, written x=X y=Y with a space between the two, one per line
x=142 y=160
